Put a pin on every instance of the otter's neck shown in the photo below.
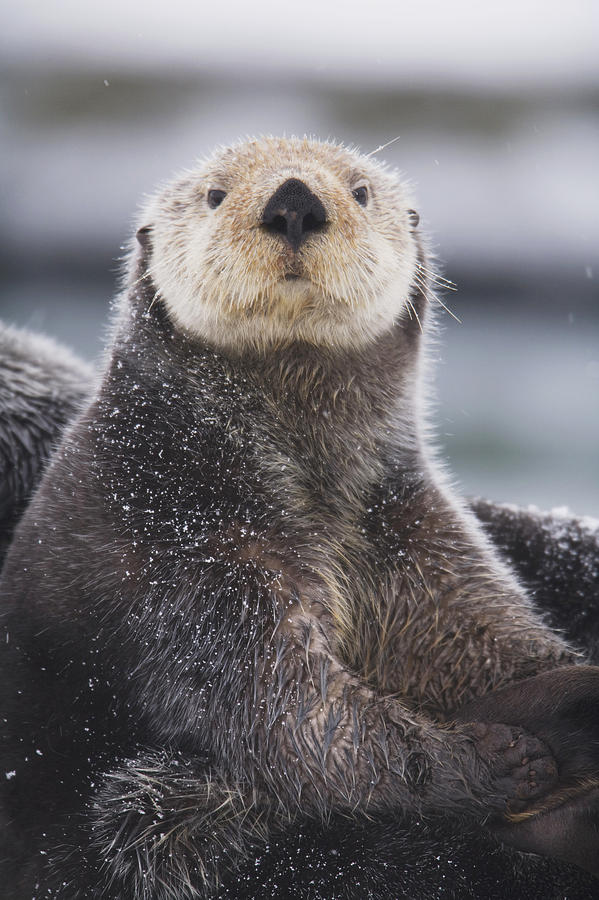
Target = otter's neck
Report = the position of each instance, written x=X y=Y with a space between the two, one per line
x=343 y=421
x=342 y=418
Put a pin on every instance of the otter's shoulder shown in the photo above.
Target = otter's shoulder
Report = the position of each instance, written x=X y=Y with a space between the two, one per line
x=42 y=387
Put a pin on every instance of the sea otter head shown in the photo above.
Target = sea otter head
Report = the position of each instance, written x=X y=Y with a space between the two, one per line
x=275 y=240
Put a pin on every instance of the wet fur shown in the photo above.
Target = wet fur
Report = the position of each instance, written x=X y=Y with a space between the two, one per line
x=560 y=707
x=207 y=568
x=275 y=623
x=556 y=555
x=42 y=387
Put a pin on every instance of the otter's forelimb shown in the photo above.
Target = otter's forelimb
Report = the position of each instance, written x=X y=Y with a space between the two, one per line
x=163 y=823
x=343 y=746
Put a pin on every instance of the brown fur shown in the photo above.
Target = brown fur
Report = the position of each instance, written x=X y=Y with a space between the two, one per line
x=244 y=553
x=561 y=708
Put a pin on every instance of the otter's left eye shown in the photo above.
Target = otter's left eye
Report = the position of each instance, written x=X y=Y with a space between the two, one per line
x=361 y=195
x=215 y=198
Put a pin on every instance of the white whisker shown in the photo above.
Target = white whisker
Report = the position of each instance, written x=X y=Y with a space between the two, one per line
x=447 y=309
x=383 y=146
x=413 y=308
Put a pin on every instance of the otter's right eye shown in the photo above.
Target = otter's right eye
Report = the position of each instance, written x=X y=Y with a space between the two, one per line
x=361 y=195
x=215 y=198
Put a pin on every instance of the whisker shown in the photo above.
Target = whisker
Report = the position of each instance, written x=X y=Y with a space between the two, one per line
x=153 y=301
x=430 y=295
x=447 y=309
x=413 y=308
x=434 y=276
x=383 y=146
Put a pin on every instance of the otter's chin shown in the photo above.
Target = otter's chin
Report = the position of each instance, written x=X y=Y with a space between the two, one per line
x=294 y=285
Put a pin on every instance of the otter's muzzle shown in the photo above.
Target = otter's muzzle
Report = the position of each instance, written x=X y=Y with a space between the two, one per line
x=294 y=212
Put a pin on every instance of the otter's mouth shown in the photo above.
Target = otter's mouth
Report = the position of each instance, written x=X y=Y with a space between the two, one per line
x=293 y=269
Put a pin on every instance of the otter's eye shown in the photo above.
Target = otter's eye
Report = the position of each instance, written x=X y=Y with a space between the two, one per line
x=413 y=217
x=215 y=198
x=361 y=195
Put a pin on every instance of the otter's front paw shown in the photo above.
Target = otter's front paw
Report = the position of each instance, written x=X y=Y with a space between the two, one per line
x=519 y=766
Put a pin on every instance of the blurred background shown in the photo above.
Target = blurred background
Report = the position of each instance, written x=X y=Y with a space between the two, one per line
x=497 y=111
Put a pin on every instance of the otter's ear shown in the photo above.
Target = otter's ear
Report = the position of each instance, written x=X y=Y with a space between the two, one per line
x=413 y=217
x=143 y=236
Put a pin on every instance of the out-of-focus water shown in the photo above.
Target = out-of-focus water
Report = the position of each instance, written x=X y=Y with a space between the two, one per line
x=518 y=412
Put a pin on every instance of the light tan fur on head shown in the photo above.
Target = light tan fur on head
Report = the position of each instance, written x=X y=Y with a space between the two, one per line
x=223 y=277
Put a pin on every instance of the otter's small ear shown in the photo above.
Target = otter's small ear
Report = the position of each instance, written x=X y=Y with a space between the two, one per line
x=143 y=236
x=413 y=217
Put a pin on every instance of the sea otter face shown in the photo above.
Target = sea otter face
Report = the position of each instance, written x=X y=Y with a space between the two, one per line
x=275 y=240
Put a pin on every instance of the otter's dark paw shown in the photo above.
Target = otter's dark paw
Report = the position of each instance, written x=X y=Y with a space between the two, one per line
x=519 y=766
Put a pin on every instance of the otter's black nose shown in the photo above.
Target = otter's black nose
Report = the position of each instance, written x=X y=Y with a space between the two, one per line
x=294 y=212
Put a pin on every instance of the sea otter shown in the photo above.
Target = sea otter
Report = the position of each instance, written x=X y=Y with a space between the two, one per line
x=243 y=593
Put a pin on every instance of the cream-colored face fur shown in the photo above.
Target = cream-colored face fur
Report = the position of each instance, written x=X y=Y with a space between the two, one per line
x=226 y=278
